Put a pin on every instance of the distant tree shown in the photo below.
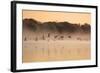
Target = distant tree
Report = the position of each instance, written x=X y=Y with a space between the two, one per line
x=30 y=24
x=86 y=28
x=60 y=27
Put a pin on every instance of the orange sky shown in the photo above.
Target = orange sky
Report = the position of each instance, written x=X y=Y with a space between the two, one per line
x=71 y=17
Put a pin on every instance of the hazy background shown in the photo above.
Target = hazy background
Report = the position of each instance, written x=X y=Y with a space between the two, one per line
x=56 y=36
x=44 y=16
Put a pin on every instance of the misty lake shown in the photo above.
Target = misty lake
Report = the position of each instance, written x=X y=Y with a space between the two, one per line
x=59 y=50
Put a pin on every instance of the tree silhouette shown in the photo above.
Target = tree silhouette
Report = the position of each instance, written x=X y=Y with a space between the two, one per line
x=30 y=24
x=59 y=27
x=86 y=28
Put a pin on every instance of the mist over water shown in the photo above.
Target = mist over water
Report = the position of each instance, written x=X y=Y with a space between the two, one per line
x=55 y=41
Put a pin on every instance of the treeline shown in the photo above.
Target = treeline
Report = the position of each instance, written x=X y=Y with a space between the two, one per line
x=52 y=26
